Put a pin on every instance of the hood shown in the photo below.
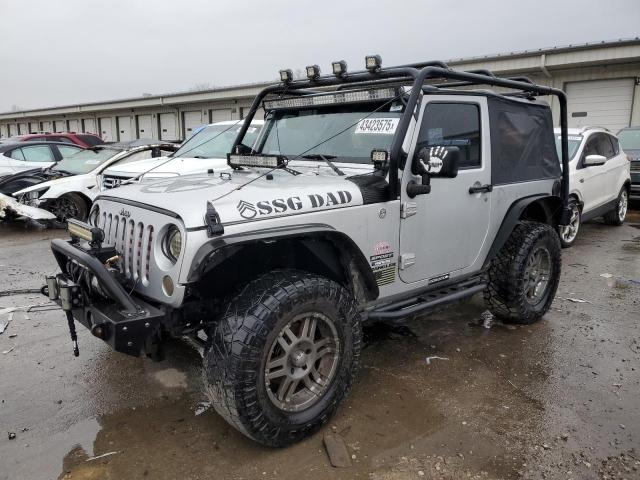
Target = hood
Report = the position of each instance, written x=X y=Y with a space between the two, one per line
x=60 y=182
x=169 y=167
x=236 y=201
x=633 y=154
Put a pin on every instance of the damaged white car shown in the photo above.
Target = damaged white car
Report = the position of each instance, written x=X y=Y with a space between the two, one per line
x=74 y=181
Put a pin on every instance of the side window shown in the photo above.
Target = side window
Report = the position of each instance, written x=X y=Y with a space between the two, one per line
x=17 y=154
x=615 y=144
x=453 y=124
x=67 y=150
x=38 y=154
x=599 y=144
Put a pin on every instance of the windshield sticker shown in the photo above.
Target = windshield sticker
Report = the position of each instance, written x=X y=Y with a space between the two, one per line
x=573 y=138
x=377 y=126
x=92 y=162
x=250 y=210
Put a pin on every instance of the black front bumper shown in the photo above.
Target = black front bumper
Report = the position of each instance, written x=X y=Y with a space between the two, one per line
x=127 y=323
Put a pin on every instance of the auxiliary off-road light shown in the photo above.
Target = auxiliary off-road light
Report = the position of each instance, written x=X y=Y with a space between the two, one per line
x=313 y=72
x=84 y=231
x=373 y=62
x=286 y=76
x=266 y=161
x=379 y=155
x=339 y=68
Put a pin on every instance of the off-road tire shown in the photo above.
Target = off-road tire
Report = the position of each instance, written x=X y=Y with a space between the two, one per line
x=614 y=216
x=240 y=341
x=505 y=293
x=573 y=204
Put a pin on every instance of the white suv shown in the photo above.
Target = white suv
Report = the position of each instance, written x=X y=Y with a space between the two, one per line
x=600 y=179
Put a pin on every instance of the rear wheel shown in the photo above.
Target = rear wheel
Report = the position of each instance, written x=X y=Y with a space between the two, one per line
x=70 y=205
x=569 y=233
x=524 y=277
x=618 y=214
x=283 y=356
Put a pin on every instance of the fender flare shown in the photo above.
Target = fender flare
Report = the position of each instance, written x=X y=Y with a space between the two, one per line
x=216 y=250
x=514 y=214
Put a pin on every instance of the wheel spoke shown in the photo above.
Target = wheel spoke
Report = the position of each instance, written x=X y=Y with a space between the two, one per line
x=309 y=328
x=276 y=368
x=324 y=351
x=283 y=388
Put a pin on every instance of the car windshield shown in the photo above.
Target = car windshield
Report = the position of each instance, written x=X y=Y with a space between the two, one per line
x=215 y=141
x=574 y=144
x=630 y=139
x=85 y=160
x=346 y=132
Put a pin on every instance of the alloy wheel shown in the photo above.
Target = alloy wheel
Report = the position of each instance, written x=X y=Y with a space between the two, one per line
x=537 y=273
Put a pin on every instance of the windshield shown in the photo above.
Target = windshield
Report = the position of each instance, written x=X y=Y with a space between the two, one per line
x=630 y=139
x=215 y=141
x=85 y=160
x=574 y=144
x=340 y=132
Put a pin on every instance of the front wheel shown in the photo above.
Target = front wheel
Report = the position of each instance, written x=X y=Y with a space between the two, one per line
x=283 y=356
x=524 y=276
x=569 y=233
x=68 y=206
x=619 y=213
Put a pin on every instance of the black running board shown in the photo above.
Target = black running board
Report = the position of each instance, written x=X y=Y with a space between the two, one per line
x=426 y=301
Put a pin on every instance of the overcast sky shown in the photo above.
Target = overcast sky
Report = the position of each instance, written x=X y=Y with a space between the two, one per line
x=71 y=51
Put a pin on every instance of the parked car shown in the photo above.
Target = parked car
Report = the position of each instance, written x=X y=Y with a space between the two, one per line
x=599 y=178
x=374 y=202
x=74 y=183
x=206 y=149
x=82 y=139
x=630 y=142
x=23 y=156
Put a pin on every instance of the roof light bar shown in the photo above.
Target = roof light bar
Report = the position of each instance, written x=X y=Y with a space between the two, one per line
x=313 y=72
x=339 y=68
x=261 y=161
x=286 y=76
x=373 y=63
x=333 y=98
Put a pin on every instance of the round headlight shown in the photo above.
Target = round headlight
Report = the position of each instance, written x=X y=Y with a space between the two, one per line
x=173 y=243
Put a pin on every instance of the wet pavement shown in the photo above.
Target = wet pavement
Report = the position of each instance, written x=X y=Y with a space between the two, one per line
x=558 y=399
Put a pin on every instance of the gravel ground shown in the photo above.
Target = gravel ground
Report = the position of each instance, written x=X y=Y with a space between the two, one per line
x=558 y=399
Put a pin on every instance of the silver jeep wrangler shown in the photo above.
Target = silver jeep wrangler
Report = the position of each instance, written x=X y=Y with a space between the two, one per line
x=370 y=195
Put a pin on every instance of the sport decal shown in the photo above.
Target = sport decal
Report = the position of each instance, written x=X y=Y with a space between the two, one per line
x=312 y=201
x=385 y=126
x=383 y=267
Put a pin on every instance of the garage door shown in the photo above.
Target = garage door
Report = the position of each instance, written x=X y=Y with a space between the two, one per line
x=4 y=133
x=145 y=129
x=46 y=126
x=34 y=127
x=191 y=121
x=601 y=103
x=59 y=126
x=22 y=128
x=89 y=125
x=220 y=115
x=13 y=129
x=74 y=126
x=124 y=129
x=106 y=129
x=168 y=127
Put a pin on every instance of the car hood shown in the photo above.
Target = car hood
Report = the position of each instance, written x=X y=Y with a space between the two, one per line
x=167 y=166
x=242 y=196
x=633 y=154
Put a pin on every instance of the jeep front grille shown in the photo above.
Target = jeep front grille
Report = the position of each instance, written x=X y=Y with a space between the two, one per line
x=133 y=241
x=112 y=181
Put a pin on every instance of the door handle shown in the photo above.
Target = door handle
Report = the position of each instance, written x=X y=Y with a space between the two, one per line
x=480 y=188
x=581 y=180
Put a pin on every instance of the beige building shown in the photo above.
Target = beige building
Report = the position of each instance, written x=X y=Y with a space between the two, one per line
x=602 y=81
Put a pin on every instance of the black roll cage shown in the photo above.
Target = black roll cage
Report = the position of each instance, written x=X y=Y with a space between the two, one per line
x=419 y=73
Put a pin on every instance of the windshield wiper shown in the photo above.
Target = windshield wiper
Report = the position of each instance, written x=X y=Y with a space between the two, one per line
x=327 y=160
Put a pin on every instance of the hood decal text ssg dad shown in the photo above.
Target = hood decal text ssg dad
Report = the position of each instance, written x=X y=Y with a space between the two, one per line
x=308 y=202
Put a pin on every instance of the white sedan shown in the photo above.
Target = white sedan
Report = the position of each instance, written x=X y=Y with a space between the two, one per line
x=72 y=193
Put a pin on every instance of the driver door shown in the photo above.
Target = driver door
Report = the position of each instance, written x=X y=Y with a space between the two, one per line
x=442 y=233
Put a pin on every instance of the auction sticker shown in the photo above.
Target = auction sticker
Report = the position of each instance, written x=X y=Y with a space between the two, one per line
x=378 y=126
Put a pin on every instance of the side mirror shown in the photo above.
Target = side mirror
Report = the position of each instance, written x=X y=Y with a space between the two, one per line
x=438 y=161
x=433 y=162
x=594 y=160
